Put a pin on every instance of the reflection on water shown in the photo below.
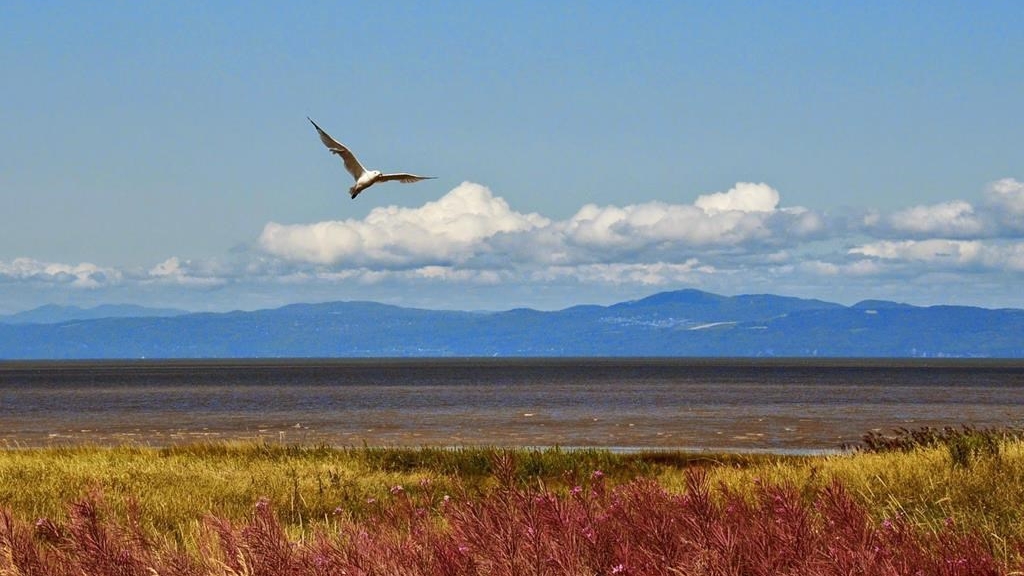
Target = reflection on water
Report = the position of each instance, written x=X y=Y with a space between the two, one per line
x=688 y=403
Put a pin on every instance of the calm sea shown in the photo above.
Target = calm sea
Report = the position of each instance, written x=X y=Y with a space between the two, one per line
x=751 y=405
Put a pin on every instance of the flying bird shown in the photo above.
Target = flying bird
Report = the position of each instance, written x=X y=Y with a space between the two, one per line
x=364 y=178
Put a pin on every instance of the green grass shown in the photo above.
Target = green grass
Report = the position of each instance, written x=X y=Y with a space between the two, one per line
x=172 y=489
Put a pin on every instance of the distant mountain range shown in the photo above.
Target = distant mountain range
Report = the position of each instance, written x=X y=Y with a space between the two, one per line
x=54 y=314
x=681 y=323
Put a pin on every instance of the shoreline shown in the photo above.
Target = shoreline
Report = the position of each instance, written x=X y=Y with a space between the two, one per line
x=8 y=445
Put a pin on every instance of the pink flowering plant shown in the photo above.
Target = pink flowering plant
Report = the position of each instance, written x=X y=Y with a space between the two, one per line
x=516 y=528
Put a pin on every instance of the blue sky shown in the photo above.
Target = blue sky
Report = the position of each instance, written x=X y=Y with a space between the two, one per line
x=158 y=153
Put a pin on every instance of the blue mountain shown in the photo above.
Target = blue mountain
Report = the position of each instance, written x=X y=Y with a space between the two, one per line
x=680 y=323
x=54 y=314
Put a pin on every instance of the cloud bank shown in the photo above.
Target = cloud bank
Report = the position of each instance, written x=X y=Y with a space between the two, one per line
x=471 y=228
x=83 y=275
x=743 y=239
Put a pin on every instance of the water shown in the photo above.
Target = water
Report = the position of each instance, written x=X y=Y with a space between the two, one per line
x=749 y=405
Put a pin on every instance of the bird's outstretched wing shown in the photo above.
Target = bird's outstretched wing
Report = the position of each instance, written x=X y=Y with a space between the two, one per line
x=351 y=164
x=403 y=178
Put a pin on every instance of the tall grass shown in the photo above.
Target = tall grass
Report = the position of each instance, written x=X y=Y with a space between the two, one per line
x=964 y=443
x=635 y=528
x=175 y=487
x=179 y=509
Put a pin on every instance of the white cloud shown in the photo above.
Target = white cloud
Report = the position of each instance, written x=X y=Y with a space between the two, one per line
x=853 y=269
x=449 y=230
x=655 y=223
x=956 y=219
x=441 y=274
x=83 y=275
x=1007 y=194
x=451 y=274
x=744 y=217
x=801 y=222
x=653 y=274
x=169 y=267
x=1005 y=198
x=186 y=273
x=999 y=215
x=743 y=197
x=948 y=251
x=939 y=254
x=1010 y=257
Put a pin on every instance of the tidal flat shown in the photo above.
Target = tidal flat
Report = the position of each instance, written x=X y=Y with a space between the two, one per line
x=724 y=405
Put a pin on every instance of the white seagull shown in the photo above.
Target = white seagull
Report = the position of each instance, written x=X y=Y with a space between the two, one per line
x=364 y=178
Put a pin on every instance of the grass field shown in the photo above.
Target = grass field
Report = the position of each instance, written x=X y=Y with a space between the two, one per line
x=945 y=507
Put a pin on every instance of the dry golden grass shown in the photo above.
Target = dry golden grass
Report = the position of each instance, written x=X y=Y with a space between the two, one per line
x=173 y=489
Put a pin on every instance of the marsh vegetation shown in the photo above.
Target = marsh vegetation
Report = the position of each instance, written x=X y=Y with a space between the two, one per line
x=259 y=508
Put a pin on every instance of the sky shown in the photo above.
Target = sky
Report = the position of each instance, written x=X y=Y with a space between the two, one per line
x=585 y=152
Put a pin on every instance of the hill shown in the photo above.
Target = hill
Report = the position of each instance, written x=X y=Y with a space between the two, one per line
x=54 y=314
x=681 y=323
